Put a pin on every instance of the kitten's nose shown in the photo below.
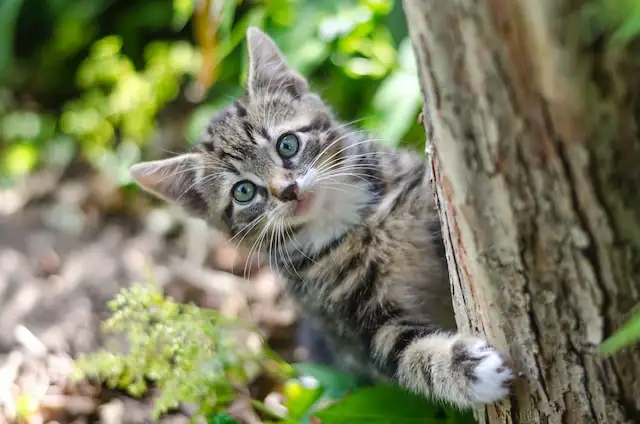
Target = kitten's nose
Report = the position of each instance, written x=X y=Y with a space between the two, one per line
x=288 y=192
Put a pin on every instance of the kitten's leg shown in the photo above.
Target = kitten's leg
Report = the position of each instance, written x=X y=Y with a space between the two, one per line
x=462 y=370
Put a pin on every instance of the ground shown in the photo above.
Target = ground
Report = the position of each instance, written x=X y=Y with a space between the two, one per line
x=67 y=246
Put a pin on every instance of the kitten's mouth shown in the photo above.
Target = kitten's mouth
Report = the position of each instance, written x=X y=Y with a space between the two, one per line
x=304 y=203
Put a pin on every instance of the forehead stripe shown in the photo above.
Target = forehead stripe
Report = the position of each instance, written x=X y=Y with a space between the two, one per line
x=248 y=129
x=240 y=110
x=319 y=123
x=224 y=154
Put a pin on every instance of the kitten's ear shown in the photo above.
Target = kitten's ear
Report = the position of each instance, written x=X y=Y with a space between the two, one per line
x=268 y=69
x=173 y=180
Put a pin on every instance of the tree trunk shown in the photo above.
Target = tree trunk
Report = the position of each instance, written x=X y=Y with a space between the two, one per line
x=534 y=144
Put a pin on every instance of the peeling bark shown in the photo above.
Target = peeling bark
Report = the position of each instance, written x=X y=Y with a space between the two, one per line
x=535 y=150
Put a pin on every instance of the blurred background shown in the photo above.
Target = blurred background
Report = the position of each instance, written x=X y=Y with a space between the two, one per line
x=88 y=87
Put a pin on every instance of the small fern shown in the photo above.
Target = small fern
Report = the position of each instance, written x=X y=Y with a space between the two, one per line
x=191 y=354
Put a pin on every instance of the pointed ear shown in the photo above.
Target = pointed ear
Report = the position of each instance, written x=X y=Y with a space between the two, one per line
x=268 y=70
x=174 y=180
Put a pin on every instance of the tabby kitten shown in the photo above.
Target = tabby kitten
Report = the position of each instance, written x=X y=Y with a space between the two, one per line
x=348 y=223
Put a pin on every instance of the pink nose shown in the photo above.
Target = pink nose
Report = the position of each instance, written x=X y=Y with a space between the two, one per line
x=288 y=192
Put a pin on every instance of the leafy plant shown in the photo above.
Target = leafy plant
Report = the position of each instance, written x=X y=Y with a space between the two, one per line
x=191 y=354
x=195 y=355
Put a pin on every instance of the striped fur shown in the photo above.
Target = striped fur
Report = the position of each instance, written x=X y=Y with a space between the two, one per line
x=366 y=261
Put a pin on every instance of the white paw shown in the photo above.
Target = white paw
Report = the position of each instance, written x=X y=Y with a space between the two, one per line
x=491 y=375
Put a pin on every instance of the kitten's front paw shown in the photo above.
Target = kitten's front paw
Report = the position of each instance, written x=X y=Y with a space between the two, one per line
x=486 y=369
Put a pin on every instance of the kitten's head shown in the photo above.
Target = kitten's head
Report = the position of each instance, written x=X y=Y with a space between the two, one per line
x=274 y=161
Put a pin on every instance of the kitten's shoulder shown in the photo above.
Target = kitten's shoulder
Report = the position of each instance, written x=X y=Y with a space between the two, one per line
x=408 y=185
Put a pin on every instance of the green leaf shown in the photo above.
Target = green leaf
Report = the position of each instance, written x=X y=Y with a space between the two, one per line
x=228 y=15
x=222 y=418
x=629 y=29
x=182 y=11
x=19 y=159
x=300 y=398
x=334 y=383
x=626 y=336
x=389 y=404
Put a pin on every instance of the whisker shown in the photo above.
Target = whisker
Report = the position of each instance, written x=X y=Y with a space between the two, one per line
x=342 y=137
x=258 y=243
x=284 y=233
x=331 y=185
x=353 y=166
x=370 y=140
x=271 y=242
x=360 y=177
x=279 y=245
x=246 y=230
x=350 y=171
x=202 y=182
x=293 y=242
x=349 y=158
x=170 y=152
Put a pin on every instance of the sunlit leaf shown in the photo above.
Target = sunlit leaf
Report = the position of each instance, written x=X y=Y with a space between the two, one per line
x=300 y=397
x=108 y=46
x=19 y=159
x=334 y=383
x=618 y=19
x=182 y=11
x=630 y=27
x=228 y=15
x=25 y=406
x=388 y=404
x=184 y=58
x=381 y=7
x=331 y=385
x=626 y=336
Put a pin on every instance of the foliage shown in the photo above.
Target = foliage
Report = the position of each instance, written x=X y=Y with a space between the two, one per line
x=619 y=18
x=191 y=354
x=388 y=404
x=195 y=355
x=90 y=80
x=624 y=337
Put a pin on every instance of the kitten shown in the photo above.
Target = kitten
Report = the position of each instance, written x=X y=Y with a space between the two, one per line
x=349 y=224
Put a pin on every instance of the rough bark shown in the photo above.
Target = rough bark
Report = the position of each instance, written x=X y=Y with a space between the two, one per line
x=534 y=144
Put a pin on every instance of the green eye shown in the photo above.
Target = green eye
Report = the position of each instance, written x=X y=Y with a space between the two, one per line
x=288 y=146
x=244 y=191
